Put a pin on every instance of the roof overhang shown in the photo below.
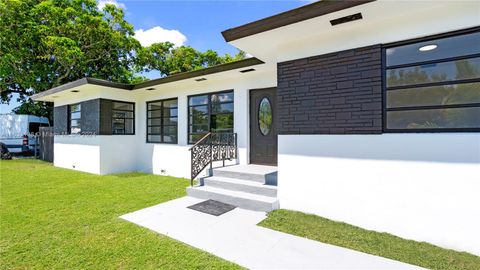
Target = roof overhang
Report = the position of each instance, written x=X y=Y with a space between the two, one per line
x=303 y=13
x=308 y=31
x=53 y=93
x=91 y=84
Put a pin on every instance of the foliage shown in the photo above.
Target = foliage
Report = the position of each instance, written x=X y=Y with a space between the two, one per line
x=169 y=60
x=44 y=44
x=55 y=218
x=380 y=244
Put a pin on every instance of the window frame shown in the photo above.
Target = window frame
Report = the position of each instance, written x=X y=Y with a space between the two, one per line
x=209 y=111
x=385 y=89
x=78 y=119
x=161 y=123
x=124 y=118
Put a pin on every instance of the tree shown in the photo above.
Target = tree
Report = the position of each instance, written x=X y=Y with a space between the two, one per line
x=44 y=44
x=168 y=59
x=47 y=43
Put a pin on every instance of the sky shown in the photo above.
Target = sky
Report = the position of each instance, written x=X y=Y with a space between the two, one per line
x=197 y=23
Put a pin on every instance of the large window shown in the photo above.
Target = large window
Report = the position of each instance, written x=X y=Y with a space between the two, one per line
x=434 y=85
x=162 y=121
x=75 y=118
x=123 y=118
x=209 y=113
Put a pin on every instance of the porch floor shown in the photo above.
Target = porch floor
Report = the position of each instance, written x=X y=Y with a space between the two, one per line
x=234 y=236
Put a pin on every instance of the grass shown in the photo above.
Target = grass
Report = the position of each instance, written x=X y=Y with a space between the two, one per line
x=381 y=244
x=61 y=219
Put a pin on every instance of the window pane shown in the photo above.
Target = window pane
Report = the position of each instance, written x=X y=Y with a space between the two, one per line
x=222 y=108
x=199 y=129
x=75 y=108
x=447 y=71
x=432 y=119
x=170 y=112
x=75 y=130
x=154 y=138
x=154 y=130
x=118 y=126
x=170 y=130
x=446 y=48
x=199 y=119
x=222 y=122
x=170 y=138
x=199 y=109
x=122 y=106
x=170 y=121
x=75 y=115
x=170 y=103
x=193 y=138
x=74 y=123
x=466 y=93
x=155 y=113
x=154 y=121
x=155 y=106
x=223 y=97
x=122 y=114
x=129 y=126
x=198 y=100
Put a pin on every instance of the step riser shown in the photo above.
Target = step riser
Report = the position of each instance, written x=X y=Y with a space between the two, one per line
x=270 y=179
x=239 y=202
x=239 y=187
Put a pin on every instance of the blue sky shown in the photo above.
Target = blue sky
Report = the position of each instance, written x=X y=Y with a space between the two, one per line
x=195 y=23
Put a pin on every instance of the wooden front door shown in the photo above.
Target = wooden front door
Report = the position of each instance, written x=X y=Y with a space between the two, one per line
x=263 y=126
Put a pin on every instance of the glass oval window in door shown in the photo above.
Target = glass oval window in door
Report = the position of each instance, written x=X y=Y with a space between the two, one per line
x=265 y=116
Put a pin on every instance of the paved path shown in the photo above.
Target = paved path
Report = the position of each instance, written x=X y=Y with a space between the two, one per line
x=234 y=236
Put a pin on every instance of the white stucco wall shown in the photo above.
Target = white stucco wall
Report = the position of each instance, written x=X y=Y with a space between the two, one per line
x=123 y=153
x=417 y=186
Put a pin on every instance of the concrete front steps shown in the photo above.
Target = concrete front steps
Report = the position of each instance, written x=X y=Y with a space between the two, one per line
x=250 y=187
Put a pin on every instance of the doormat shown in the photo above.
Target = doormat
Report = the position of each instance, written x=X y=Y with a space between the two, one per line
x=212 y=207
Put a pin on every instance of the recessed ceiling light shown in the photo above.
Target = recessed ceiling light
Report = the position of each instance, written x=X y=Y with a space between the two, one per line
x=74 y=91
x=150 y=89
x=200 y=79
x=349 y=18
x=428 y=47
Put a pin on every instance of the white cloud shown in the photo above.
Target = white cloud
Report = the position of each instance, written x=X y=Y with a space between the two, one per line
x=158 y=34
x=102 y=3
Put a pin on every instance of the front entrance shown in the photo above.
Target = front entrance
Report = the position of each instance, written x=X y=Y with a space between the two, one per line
x=263 y=126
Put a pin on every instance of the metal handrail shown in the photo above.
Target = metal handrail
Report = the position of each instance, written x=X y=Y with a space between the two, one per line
x=212 y=147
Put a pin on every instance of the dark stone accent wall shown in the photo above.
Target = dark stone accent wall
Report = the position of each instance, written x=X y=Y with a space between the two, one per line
x=60 y=119
x=336 y=93
x=90 y=116
x=105 y=117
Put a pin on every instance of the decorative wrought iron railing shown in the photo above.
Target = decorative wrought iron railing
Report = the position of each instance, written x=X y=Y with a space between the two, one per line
x=212 y=147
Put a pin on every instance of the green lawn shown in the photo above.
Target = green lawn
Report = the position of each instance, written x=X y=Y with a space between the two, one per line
x=381 y=244
x=61 y=219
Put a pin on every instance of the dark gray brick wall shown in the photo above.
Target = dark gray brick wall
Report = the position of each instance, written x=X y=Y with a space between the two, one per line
x=336 y=93
x=60 y=119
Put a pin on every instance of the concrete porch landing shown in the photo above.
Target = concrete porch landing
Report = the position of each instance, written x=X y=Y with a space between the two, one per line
x=234 y=236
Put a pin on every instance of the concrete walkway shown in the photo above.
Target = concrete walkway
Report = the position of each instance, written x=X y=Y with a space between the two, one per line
x=234 y=236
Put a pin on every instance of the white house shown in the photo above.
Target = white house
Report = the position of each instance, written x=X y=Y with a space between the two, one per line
x=368 y=110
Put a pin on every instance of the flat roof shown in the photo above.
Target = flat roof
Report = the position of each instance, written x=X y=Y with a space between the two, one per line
x=289 y=17
x=176 y=77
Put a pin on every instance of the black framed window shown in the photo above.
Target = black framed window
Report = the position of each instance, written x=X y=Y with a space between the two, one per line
x=162 y=121
x=123 y=118
x=75 y=116
x=209 y=113
x=433 y=85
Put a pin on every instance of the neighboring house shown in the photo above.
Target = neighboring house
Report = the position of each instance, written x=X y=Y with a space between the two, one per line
x=369 y=109
x=14 y=128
